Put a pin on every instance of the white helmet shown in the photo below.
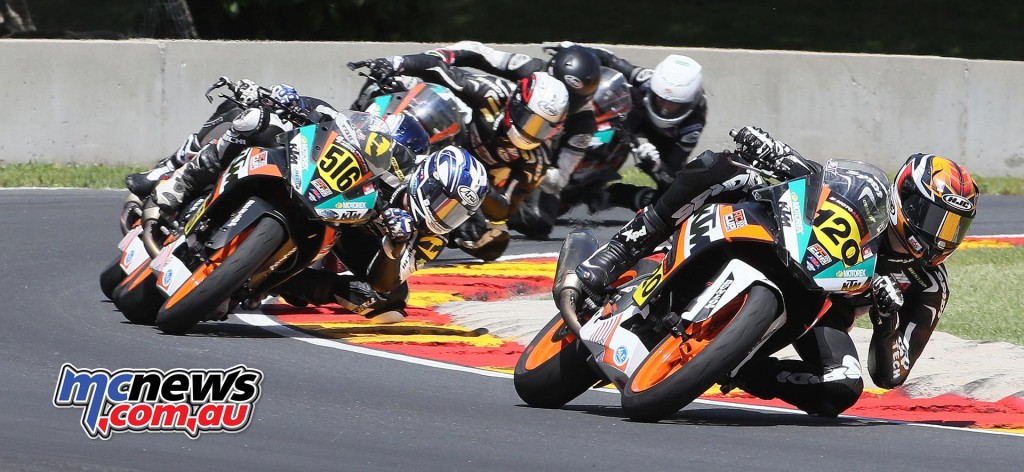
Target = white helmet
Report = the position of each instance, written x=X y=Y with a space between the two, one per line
x=676 y=88
x=448 y=187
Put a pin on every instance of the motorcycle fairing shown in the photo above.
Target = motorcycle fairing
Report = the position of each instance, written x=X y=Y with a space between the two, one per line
x=338 y=186
x=251 y=162
x=132 y=247
x=829 y=223
x=710 y=226
x=618 y=352
x=170 y=271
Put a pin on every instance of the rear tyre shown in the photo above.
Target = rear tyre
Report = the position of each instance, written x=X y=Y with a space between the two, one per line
x=209 y=286
x=658 y=389
x=553 y=369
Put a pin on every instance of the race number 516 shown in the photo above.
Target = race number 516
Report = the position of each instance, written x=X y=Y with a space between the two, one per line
x=339 y=168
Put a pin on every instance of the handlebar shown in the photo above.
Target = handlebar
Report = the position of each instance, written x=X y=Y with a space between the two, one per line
x=384 y=80
x=756 y=163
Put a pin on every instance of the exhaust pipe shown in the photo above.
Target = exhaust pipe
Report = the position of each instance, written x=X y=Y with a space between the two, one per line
x=579 y=245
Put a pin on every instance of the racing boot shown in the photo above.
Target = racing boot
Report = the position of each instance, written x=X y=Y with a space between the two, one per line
x=635 y=240
x=142 y=184
x=189 y=180
x=186 y=183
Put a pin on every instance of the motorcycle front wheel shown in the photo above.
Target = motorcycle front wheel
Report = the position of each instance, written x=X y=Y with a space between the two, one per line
x=681 y=368
x=214 y=282
x=137 y=296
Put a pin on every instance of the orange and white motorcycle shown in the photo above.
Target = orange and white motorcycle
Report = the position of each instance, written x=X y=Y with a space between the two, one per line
x=738 y=280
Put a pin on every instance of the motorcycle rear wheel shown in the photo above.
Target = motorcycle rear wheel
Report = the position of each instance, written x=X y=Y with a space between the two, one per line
x=213 y=283
x=677 y=371
x=553 y=369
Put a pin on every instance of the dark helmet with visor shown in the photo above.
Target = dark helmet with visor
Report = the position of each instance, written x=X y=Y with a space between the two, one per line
x=934 y=201
x=578 y=68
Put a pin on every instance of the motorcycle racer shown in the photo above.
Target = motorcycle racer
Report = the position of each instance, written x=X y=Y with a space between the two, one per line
x=671 y=115
x=511 y=122
x=933 y=203
x=445 y=190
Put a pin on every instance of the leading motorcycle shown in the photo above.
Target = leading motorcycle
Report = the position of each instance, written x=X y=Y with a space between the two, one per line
x=738 y=281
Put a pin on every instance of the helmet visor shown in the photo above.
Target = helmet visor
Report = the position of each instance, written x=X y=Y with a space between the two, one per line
x=527 y=127
x=443 y=212
x=668 y=110
x=944 y=229
x=612 y=98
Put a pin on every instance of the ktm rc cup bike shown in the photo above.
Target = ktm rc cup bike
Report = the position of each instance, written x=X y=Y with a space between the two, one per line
x=272 y=213
x=738 y=281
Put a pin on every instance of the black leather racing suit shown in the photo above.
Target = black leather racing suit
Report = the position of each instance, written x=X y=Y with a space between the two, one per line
x=580 y=123
x=827 y=379
x=514 y=172
x=674 y=144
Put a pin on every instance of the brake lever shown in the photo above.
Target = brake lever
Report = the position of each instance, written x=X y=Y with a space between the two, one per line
x=357 y=65
x=753 y=167
x=221 y=82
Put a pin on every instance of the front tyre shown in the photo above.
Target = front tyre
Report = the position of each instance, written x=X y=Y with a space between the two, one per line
x=680 y=369
x=137 y=296
x=553 y=369
x=215 y=282
x=112 y=275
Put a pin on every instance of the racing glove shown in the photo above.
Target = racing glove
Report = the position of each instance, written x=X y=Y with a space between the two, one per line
x=648 y=158
x=385 y=67
x=888 y=300
x=399 y=224
x=767 y=152
x=246 y=92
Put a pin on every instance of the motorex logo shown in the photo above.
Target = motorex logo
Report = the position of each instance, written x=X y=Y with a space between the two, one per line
x=149 y=400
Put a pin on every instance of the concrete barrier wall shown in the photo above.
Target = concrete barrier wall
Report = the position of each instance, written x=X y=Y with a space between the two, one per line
x=134 y=101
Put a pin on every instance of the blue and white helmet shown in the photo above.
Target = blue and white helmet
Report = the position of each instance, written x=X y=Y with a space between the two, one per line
x=447 y=188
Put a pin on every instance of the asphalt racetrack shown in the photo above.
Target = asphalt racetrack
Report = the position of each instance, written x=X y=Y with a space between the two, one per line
x=330 y=409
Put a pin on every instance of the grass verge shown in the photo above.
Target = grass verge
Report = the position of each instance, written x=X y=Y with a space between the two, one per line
x=65 y=175
x=984 y=296
x=988 y=185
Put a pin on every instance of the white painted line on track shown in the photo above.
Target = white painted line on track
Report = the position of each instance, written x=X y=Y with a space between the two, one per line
x=984 y=236
x=532 y=255
x=270 y=324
